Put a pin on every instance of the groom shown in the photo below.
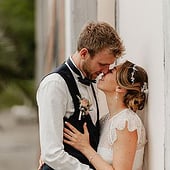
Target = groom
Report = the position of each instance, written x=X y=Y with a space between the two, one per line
x=61 y=95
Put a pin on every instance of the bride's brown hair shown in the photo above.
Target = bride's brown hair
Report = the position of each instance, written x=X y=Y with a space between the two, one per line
x=135 y=80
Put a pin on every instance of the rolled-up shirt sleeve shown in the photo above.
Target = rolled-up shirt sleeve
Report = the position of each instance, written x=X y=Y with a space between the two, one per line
x=52 y=100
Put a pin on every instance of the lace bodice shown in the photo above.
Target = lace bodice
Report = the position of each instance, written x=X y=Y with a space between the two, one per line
x=109 y=136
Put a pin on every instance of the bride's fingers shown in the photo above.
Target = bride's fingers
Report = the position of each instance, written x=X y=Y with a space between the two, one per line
x=70 y=138
x=68 y=142
x=85 y=128
x=69 y=132
x=72 y=128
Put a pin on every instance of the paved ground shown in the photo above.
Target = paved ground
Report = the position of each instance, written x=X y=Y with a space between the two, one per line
x=19 y=142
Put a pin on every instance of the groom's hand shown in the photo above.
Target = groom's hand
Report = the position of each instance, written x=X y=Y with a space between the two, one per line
x=40 y=163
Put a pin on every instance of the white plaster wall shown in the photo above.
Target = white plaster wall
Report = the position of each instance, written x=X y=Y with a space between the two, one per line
x=166 y=14
x=141 y=28
x=106 y=11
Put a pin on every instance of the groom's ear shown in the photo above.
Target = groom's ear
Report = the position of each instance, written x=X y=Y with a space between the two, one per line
x=120 y=89
x=83 y=52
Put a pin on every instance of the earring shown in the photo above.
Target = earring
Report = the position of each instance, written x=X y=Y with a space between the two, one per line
x=116 y=97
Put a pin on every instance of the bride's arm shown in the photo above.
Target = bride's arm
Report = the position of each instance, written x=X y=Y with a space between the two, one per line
x=124 y=148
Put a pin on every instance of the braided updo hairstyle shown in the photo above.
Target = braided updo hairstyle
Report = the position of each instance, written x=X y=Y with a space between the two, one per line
x=135 y=80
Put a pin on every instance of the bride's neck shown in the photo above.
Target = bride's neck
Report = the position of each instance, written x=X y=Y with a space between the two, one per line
x=115 y=104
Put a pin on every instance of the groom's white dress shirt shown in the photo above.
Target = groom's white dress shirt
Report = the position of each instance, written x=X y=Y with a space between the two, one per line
x=54 y=102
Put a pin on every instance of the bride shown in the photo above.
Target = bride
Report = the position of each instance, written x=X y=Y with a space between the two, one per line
x=122 y=137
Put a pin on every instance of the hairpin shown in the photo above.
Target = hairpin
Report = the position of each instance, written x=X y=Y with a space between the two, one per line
x=144 y=88
x=133 y=73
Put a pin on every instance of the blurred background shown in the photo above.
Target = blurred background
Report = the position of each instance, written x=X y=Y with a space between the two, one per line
x=18 y=117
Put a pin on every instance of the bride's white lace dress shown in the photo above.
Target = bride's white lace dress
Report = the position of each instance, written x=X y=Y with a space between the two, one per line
x=109 y=136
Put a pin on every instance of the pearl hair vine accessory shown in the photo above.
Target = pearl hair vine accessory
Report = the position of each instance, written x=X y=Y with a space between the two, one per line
x=133 y=73
x=144 y=88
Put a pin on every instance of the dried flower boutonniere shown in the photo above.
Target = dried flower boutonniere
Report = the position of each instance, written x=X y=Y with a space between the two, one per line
x=84 y=106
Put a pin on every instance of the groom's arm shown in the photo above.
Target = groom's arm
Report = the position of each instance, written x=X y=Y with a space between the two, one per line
x=52 y=100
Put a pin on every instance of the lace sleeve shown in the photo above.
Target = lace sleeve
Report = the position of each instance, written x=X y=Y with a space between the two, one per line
x=133 y=123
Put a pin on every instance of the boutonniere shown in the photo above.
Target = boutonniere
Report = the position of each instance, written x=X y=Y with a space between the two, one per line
x=84 y=106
